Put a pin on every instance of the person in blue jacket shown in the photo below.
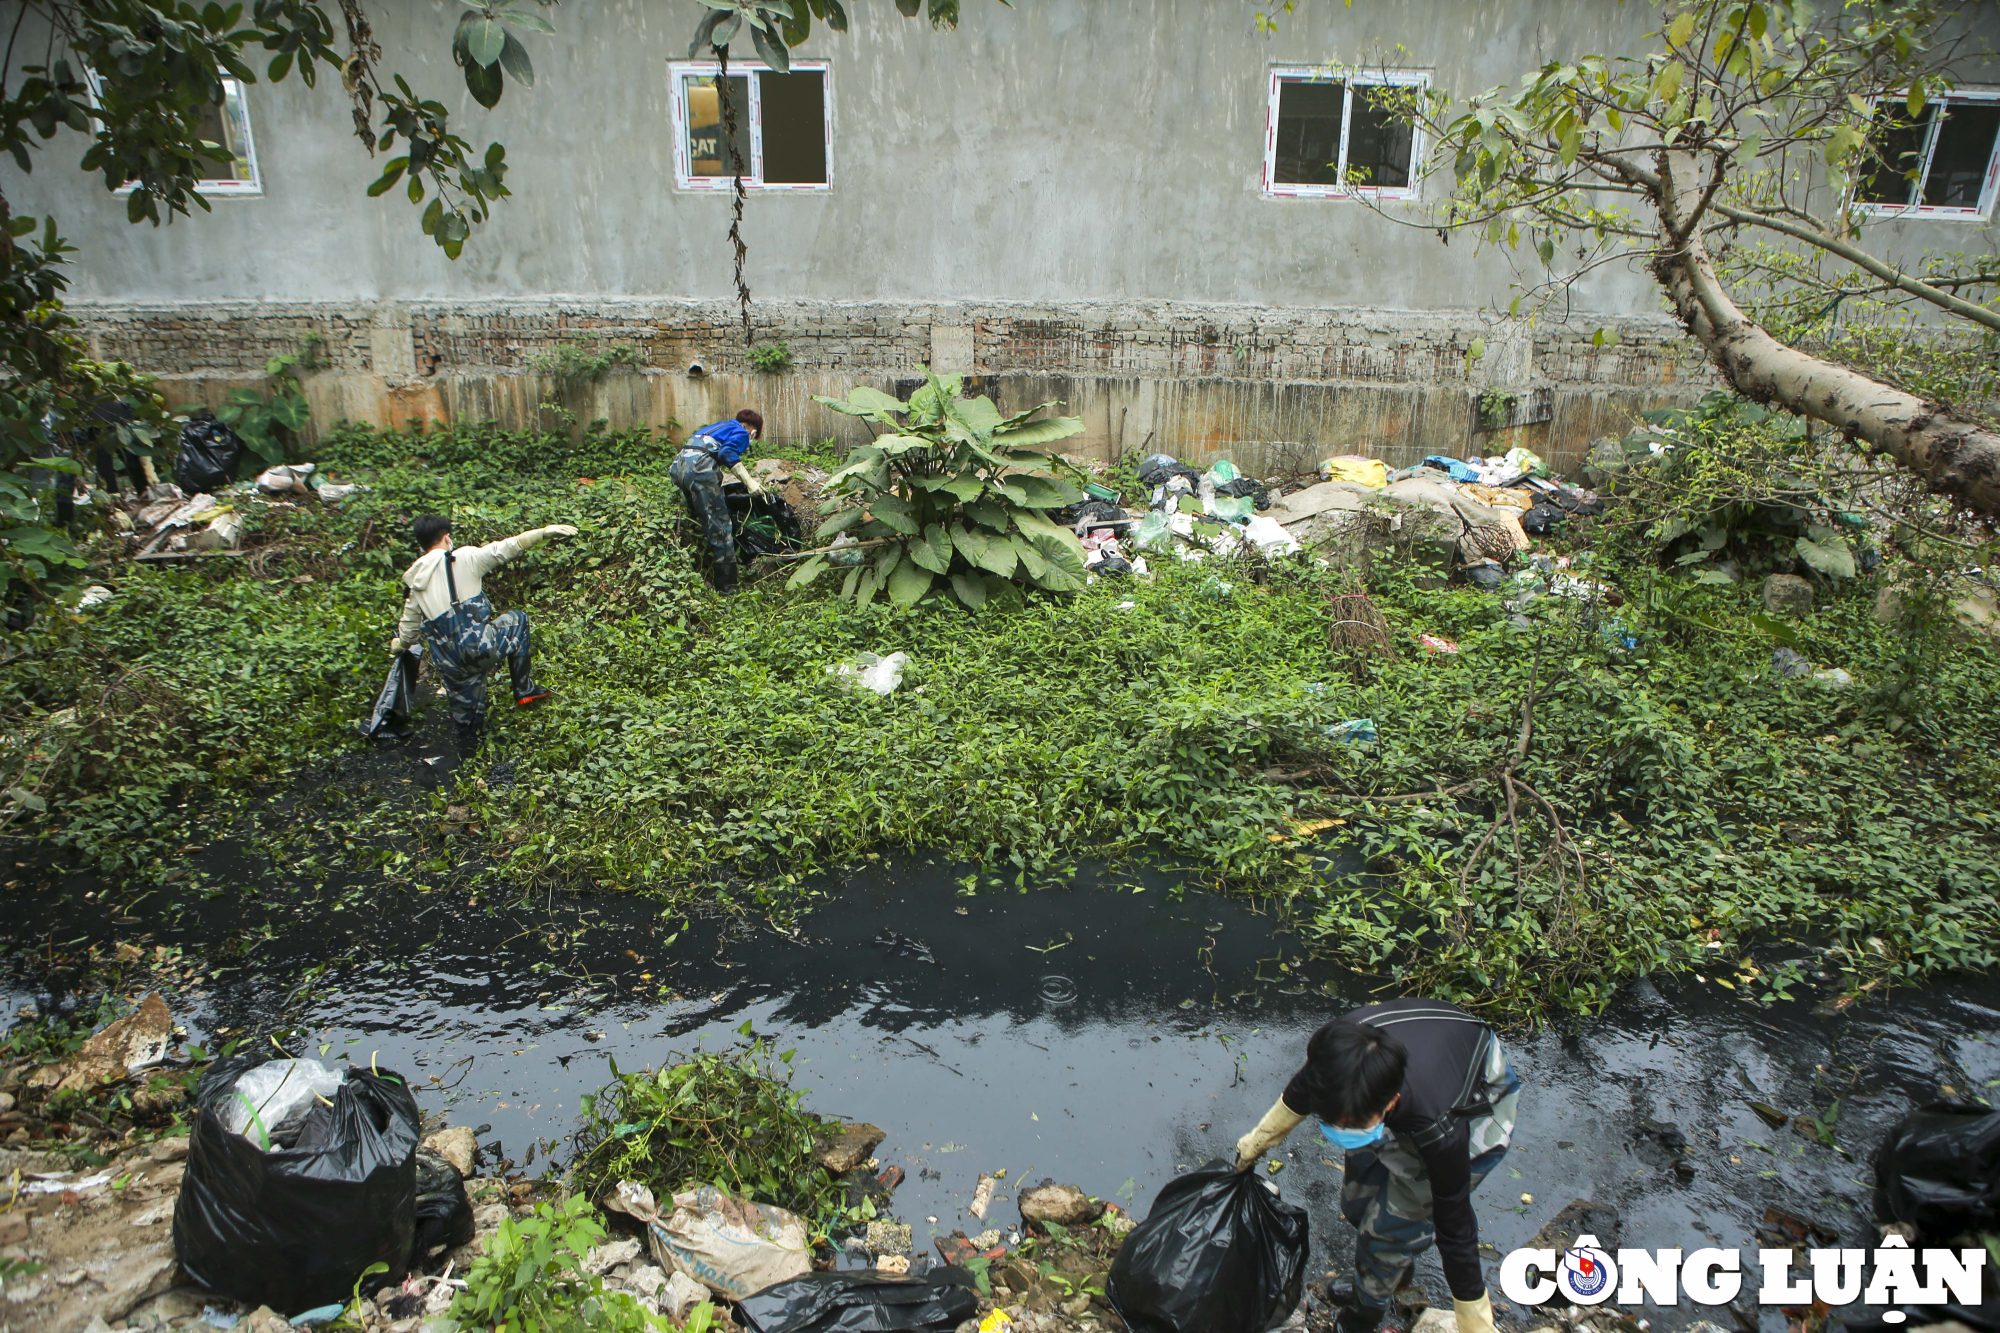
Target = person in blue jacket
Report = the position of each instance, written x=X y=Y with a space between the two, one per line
x=698 y=470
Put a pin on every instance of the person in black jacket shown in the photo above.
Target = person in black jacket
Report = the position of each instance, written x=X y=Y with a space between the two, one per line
x=1421 y=1097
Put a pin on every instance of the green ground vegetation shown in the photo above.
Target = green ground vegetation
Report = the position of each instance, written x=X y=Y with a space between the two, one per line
x=725 y=1118
x=1679 y=804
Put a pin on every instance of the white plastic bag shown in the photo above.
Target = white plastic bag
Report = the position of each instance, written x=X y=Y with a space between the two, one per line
x=729 y=1245
x=267 y=1096
x=1271 y=539
x=286 y=478
x=880 y=674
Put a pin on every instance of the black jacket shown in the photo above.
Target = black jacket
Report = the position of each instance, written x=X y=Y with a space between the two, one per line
x=1443 y=1088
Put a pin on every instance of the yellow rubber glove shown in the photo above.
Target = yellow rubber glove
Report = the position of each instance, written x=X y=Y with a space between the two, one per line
x=1279 y=1121
x=1474 y=1316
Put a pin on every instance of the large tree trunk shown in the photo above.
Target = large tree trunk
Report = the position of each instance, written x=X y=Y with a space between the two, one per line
x=1957 y=458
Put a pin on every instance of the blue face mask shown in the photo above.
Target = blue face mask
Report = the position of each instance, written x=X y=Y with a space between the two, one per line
x=1350 y=1139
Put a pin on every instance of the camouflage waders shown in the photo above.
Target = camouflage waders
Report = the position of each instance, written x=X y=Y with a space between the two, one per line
x=699 y=476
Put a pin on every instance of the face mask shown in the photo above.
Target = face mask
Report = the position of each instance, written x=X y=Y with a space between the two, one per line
x=1351 y=1139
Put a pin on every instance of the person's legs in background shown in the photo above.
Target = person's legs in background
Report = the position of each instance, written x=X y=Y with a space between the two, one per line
x=700 y=481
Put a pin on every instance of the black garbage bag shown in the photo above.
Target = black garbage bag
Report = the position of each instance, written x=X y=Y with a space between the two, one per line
x=861 y=1303
x=1094 y=510
x=294 y=1228
x=1247 y=486
x=444 y=1210
x=1540 y=520
x=1158 y=469
x=1939 y=1170
x=398 y=699
x=765 y=524
x=208 y=456
x=1219 y=1253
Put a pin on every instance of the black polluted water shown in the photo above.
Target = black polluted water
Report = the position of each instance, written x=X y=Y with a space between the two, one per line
x=1110 y=1033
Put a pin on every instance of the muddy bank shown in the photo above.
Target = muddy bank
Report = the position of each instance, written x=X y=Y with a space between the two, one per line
x=1093 y=1033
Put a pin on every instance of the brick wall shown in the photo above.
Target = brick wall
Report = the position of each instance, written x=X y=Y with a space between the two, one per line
x=1251 y=382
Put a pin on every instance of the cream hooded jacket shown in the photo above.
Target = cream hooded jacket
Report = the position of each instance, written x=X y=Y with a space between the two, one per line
x=430 y=596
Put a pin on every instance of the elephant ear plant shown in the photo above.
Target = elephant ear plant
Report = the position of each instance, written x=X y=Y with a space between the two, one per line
x=954 y=495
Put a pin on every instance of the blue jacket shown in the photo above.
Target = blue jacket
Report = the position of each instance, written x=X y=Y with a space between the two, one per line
x=732 y=441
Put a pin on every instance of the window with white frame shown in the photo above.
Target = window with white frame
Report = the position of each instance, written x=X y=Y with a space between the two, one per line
x=783 y=126
x=1331 y=133
x=228 y=126
x=1940 y=164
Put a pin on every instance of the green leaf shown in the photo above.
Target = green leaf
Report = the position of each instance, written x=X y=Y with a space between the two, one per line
x=485 y=39
x=515 y=18
x=772 y=49
x=1831 y=556
x=27 y=800
x=986 y=551
x=1038 y=432
x=839 y=523
x=862 y=399
x=969 y=590
x=484 y=83
x=1030 y=556
x=514 y=59
x=1680 y=29
x=1045 y=492
x=1777 y=629
x=1667 y=84
x=966 y=486
x=910 y=582
x=985 y=511
x=291 y=411
x=933 y=549
x=1062 y=563
x=894 y=511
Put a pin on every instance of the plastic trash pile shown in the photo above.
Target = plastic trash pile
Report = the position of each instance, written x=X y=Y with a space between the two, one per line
x=203 y=508
x=1498 y=504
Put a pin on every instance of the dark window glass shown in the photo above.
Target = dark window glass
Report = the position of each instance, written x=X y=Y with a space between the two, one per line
x=1378 y=149
x=219 y=125
x=794 y=127
x=1308 y=133
x=706 y=153
x=1964 y=148
x=1899 y=152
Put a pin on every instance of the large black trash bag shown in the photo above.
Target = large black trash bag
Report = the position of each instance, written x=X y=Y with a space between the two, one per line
x=1939 y=1170
x=765 y=523
x=1220 y=1253
x=398 y=698
x=860 y=1303
x=294 y=1228
x=208 y=456
x=444 y=1210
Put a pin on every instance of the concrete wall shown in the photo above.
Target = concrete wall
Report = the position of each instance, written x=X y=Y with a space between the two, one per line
x=1063 y=195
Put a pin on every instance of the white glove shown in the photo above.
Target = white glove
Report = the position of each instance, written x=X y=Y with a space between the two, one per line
x=1474 y=1316
x=742 y=474
x=396 y=647
x=1279 y=1121
x=560 y=530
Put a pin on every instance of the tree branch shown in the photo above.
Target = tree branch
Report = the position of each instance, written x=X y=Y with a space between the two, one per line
x=1868 y=263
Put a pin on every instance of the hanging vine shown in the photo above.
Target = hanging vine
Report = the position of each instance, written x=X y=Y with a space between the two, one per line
x=736 y=172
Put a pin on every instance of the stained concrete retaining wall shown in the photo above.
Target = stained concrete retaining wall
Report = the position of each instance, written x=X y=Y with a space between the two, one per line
x=1271 y=388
